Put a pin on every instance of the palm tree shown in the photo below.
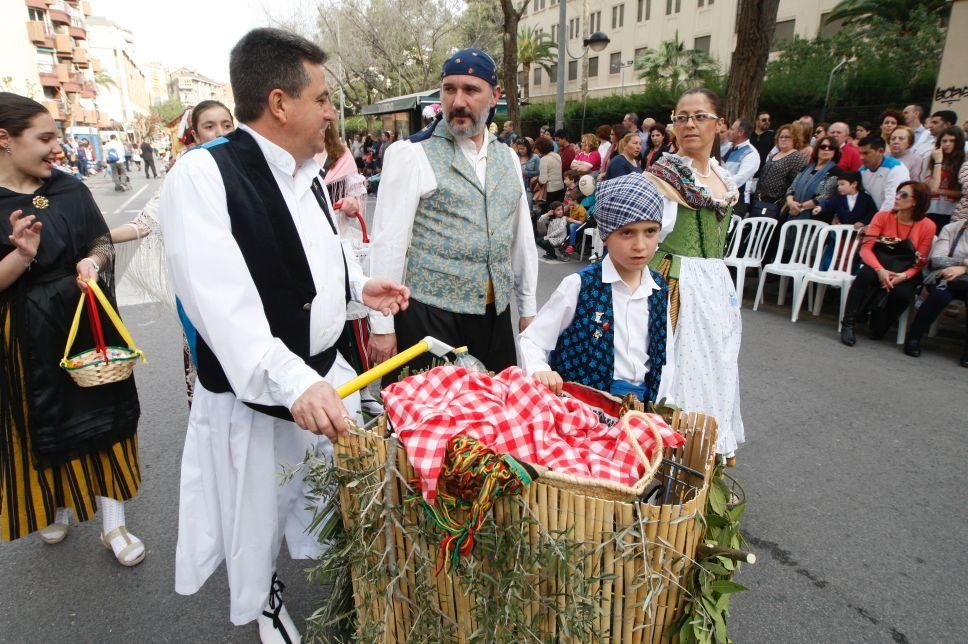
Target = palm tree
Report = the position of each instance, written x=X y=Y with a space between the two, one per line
x=673 y=67
x=535 y=48
x=900 y=11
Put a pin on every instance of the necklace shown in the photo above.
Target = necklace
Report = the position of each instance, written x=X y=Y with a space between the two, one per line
x=709 y=172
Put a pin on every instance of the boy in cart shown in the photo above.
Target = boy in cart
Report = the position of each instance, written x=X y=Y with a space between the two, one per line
x=607 y=326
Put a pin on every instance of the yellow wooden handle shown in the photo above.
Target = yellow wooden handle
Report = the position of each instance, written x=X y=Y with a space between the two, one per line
x=112 y=315
x=382 y=369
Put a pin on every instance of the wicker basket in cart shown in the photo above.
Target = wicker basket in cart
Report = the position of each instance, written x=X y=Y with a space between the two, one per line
x=623 y=560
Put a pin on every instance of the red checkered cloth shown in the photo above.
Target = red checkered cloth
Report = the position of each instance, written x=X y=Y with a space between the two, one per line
x=512 y=413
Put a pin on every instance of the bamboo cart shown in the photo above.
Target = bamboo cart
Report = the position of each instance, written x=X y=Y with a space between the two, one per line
x=566 y=560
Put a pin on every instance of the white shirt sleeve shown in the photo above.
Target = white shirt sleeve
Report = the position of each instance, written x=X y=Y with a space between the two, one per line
x=541 y=338
x=524 y=253
x=215 y=287
x=747 y=168
x=406 y=177
x=897 y=175
x=670 y=211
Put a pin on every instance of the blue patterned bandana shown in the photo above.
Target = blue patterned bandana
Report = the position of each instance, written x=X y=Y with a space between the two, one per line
x=471 y=62
x=625 y=200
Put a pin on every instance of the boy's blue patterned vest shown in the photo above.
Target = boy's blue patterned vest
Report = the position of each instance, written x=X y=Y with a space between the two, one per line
x=585 y=352
x=462 y=233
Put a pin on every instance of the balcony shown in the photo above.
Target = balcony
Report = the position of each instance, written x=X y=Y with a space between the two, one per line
x=88 y=90
x=79 y=33
x=37 y=32
x=58 y=16
x=75 y=83
x=90 y=116
x=54 y=108
x=37 y=4
x=96 y=66
x=49 y=79
x=63 y=72
x=64 y=45
x=81 y=58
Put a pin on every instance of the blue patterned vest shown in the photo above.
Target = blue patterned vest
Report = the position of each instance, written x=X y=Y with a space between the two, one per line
x=462 y=233
x=585 y=352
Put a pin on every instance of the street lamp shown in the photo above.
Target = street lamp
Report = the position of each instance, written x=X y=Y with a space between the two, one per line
x=596 y=42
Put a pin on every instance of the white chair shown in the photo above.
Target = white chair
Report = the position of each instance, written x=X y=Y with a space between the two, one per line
x=734 y=221
x=844 y=241
x=597 y=246
x=743 y=258
x=802 y=237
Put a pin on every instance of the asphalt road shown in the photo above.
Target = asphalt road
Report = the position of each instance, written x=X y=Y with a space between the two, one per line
x=854 y=468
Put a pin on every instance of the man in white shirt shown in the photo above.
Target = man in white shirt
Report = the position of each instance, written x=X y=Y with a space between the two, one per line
x=114 y=157
x=742 y=160
x=922 y=135
x=452 y=223
x=261 y=274
x=881 y=174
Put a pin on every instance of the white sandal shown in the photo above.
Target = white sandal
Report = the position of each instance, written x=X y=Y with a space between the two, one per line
x=53 y=533
x=131 y=544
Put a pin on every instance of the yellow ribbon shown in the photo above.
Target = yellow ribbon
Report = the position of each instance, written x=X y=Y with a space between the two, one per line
x=112 y=315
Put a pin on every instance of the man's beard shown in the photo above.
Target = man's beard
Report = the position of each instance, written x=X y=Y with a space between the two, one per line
x=477 y=125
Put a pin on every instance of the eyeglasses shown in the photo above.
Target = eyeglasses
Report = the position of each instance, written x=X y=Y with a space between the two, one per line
x=700 y=118
x=904 y=194
x=784 y=136
x=825 y=146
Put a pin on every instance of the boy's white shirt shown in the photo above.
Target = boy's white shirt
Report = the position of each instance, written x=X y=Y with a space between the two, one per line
x=631 y=318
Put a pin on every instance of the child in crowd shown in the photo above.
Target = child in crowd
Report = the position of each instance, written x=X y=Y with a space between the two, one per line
x=607 y=326
x=851 y=205
x=557 y=229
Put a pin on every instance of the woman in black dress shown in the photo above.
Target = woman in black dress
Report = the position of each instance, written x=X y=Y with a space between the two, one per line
x=63 y=448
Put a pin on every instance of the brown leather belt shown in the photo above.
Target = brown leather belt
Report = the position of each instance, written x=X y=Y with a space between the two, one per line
x=489 y=298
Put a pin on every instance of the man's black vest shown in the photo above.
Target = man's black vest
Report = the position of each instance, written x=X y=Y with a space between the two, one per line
x=273 y=252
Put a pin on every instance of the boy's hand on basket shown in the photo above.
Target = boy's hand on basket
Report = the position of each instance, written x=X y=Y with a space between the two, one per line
x=319 y=410
x=550 y=379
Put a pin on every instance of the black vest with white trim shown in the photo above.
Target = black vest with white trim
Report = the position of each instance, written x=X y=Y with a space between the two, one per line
x=273 y=252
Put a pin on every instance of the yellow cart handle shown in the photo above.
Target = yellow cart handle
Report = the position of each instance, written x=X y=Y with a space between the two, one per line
x=383 y=368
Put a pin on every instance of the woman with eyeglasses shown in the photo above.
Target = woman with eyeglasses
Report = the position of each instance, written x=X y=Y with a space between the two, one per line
x=893 y=252
x=899 y=147
x=778 y=173
x=816 y=182
x=946 y=161
x=698 y=196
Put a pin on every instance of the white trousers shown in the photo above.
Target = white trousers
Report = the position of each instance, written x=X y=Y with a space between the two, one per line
x=235 y=505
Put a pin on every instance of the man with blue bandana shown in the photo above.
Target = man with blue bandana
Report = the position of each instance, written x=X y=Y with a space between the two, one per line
x=452 y=223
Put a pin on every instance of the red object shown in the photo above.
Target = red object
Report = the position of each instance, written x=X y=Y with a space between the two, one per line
x=849 y=158
x=884 y=223
x=512 y=414
x=605 y=327
x=359 y=217
x=94 y=319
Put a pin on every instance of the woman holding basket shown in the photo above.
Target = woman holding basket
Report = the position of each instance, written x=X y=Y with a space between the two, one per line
x=63 y=448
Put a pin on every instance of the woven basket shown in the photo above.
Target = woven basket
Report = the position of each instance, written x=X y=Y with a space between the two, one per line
x=638 y=582
x=103 y=364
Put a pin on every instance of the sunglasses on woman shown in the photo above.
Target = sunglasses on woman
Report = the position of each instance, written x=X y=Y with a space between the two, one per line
x=904 y=194
x=825 y=146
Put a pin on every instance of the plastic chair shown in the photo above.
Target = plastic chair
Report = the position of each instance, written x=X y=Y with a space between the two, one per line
x=588 y=232
x=845 y=240
x=734 y=221
x=802 y=237
x=743 y=258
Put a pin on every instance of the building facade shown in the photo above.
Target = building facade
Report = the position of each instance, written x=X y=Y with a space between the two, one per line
x=158 y=80
x=122 y=86
x=636 y=25
x=191 y=88
x=47 y=57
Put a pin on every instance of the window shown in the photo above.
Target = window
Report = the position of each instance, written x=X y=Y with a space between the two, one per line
x=701 y=3
x=537 y=75
x=595 y=22
x=618 y=16
x=573 y=70
x=593 y=67
x=574 y=28
x=639 y=52
x=615 y=63
x=829 y=31
x=784 y=33
x=702 y=43
x=644 y=11
x=553 y=3
x=36 y=14
x=554 y=33
x=553 y=73
x=522 y=79
x=673 y=6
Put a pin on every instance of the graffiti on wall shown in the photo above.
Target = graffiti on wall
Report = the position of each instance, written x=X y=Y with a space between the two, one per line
x=952 y=94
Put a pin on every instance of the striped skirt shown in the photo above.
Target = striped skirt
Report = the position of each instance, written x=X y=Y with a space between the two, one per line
x=29 y=497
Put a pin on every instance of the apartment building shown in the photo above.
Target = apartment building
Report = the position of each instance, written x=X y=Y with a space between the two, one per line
x=191 y=88
x=46 y=57
x=636 y=25
x=122 y=85
x=158 y=80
